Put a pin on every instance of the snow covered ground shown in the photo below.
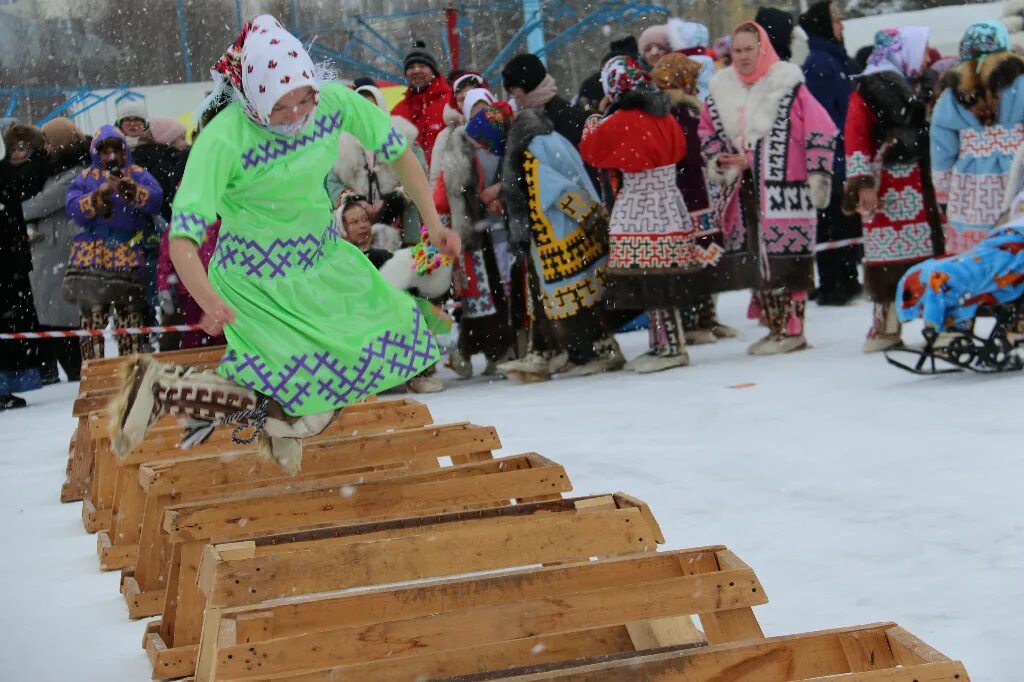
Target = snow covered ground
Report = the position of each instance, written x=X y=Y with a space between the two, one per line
x=857 y=492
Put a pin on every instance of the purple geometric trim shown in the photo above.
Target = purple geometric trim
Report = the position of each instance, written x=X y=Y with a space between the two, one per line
x=389 y=355
x=268 y=151
x=276 y=258
x=390 y=150
x=190 y=224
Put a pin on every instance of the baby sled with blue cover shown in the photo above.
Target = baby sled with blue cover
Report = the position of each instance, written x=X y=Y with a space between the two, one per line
x=950 y=293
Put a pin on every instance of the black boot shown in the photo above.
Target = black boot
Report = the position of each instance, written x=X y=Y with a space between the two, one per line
x=11 y=402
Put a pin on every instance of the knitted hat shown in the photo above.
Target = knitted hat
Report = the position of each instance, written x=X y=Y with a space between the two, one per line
x=131 y=108
x=653 y=35
x=420 y=55
x=166 y=130
x=524 y=71
x=62 y=133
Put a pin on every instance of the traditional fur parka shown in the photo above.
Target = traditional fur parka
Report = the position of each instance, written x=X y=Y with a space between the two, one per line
x=550 y=201
x=887 y=148
x=977 y=128
x=790 y=141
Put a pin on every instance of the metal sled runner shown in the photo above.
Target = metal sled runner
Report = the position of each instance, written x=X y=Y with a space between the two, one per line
x=990 y=354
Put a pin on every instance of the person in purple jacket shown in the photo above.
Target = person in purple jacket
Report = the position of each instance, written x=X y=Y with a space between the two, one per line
x=113 y=200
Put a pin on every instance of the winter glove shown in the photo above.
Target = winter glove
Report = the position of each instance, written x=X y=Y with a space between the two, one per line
x=167 y=303
x=821 y=190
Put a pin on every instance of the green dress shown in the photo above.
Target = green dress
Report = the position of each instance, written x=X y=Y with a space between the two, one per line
x=316 y=326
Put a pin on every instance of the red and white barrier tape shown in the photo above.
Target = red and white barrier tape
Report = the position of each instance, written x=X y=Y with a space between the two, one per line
x=838 y=244
x=77 y=333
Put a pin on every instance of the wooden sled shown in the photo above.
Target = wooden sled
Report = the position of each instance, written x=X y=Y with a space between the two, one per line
x=384 y=552
x=470 y=625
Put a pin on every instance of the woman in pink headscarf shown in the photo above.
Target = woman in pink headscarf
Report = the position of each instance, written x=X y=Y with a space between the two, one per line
x=770 y=146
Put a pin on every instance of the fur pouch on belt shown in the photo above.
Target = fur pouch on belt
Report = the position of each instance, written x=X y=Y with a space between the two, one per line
x=400 y=270
x=851 y=193
x=820 y=185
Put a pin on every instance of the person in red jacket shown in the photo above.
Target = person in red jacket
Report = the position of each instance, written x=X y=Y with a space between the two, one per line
x=425 y=98
x=652 y=239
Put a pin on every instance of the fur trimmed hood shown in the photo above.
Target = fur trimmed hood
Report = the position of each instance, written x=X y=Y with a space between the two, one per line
x=978 y=89
x=761 y=100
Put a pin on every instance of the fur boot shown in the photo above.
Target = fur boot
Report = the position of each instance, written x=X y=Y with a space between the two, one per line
x=204 y=401
x=885 y=330
x=784 y=313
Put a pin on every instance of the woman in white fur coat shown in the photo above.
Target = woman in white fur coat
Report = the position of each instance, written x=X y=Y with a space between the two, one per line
x=770 y=146
x=360 y=172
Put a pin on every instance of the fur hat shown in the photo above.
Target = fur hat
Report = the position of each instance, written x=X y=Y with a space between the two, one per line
x=22 y=133
x=524 y=71
x=420 y=55
x=62 y=134
x=653 y=35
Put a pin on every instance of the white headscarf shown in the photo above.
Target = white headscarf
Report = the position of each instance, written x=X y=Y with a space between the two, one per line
x=900 y=50
x=274 y=63
x=265 y=63
x=474 y=97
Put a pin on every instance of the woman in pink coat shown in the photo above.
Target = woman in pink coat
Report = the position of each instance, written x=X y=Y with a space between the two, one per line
x=770 y=146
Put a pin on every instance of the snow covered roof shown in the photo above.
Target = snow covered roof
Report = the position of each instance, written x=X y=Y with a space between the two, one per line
x=947 y=25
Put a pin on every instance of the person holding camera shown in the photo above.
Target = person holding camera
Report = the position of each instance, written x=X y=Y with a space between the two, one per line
x=112 y=200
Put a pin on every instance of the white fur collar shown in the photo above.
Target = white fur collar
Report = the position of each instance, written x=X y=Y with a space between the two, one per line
x=760 y=101
x=405 y=127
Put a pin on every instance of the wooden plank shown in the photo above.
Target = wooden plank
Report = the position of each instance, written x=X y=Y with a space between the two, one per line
x=731 y=625
x=867 y=651
x=540 y=648
x=405 y=549
x=299 y=615
x=78 y=472
x=375 y=417
x=810 y=657
x=909 y=650
x=443 y=490
x=114 y=557
x=356 y=451
x=441 y=618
